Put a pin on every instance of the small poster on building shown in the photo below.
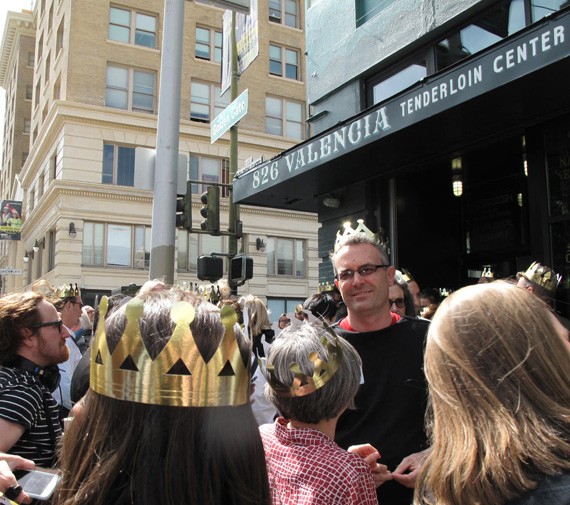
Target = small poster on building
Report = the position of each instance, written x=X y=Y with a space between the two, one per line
x=11 y=220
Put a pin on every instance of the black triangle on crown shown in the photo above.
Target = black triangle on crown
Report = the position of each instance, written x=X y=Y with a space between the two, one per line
x=129 y=364
x=98 y=359
x=179 y=368
x=227 y=371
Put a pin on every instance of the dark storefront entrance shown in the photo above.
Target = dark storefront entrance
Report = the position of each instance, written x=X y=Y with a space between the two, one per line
x=392 y=166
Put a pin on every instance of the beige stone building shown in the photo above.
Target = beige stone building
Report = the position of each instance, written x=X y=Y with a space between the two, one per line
x=82 y=83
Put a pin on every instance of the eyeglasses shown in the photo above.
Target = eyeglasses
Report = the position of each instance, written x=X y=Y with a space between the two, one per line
x=363 y=271
x=57 y=323
x=399 y=302
x=76 y=303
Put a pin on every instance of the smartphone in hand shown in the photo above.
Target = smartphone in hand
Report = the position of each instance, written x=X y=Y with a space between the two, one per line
x=39 y=483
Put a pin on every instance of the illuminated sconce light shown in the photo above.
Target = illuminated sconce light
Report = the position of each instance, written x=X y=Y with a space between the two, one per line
x=456 y=177
x=36 y=246
x=26 y=257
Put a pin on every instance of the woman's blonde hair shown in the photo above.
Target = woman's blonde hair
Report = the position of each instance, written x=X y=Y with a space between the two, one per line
x=499 y=384
x=258 y=314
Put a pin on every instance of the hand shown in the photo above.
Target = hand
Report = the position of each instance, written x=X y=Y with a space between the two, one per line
x=9 y=462
x=370 y=454
x=407 y=471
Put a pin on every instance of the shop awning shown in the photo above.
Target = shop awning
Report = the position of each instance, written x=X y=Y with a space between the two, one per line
x=515 y=83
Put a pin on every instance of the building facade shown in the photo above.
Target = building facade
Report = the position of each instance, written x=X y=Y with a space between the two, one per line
x=94 y=77
x=444 y=123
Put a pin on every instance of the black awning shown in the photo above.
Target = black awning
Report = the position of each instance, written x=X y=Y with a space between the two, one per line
x=515 y=83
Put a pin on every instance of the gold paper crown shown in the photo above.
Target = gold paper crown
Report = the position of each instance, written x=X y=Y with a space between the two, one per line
x=348 y=230
x=326 y=286
x=67 y=292
x=304 y=385
x=178 y=376
x=408 y=277
x=487 y=272
x=542 y=275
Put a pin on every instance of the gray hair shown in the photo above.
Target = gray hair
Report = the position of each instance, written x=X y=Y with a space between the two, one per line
x=360 y=238
x=327 y=402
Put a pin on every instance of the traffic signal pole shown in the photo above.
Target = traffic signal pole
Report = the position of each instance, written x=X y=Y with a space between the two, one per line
x=163 y=235
x=234 y=213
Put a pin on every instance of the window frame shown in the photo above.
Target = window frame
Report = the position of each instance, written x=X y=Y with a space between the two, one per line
x=214 y=102
x=129 y=88
x=192 y=245
x=214 y=44
x=114 y=176
x=196 y=171
x=281 y=15
x=272 y=248
x=133 y=29
x=101 y=235
x=285 y=121
x=283 y=64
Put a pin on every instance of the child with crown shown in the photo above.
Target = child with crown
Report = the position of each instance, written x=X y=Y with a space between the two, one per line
x=167 y=418
x=312 y=378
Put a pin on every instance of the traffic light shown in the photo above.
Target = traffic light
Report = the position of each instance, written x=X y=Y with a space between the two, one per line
x=184 y=208
x=241 y=268
x=211 y=210
x=210 y=268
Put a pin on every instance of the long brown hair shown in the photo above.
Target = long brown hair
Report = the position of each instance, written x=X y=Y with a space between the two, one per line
x=499 y=397
x=124 y=452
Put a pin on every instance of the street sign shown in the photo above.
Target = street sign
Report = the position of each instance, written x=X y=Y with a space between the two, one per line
x=229 y=116
x=10 y=271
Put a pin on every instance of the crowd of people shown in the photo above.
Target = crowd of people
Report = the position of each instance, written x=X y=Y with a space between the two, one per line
x=173 y=397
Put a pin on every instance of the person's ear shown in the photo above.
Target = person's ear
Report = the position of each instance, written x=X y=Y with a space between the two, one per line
x=391 y=272
x=27 y=335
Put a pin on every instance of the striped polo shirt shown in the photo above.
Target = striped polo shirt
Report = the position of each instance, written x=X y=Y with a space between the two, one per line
x=27 y=402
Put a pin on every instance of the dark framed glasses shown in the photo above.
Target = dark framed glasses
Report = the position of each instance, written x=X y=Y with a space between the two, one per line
x=76 y=303
x=57 y=323
x=363 y=271
x=398 y=302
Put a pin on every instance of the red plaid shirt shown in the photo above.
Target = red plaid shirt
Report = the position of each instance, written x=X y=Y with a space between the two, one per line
x=307 y=467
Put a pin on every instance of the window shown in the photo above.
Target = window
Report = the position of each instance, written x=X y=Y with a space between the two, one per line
x=192 y=245
x=48 y=68
x=546 y=7
x=51 y=250
x=285 y=257
x=31 y=59
x=37 y=99
x=59 y=39
x=208 y=44
x=206 y=102
x=118 y=165
x=116 y=245
x=132 y=27
x=397 y=82
x=29 y=91
x=493 y=26
x=130 y=89
x=203 y=168
x=283 y=62
x=40 y=47
x=367 y=9
x=27 y=125
x=278 y=306
x=283 y=117
x=285 y=12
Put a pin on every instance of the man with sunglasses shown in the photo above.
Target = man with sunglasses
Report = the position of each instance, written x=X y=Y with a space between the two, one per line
x=391 y=402
x=32 y=344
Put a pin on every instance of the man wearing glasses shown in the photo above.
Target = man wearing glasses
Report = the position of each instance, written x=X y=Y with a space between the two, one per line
x=32 y=344
x=391 y=402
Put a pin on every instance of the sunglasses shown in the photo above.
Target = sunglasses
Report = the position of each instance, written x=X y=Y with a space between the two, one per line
x=398 y=302
x=50 y=323
x=363 y=271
